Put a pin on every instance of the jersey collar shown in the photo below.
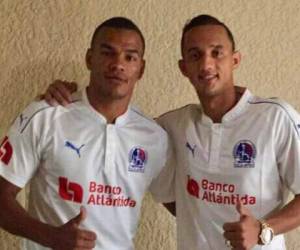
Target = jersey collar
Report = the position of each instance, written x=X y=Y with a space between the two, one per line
x=121 y=120
x=240 y=106
x=236 y=110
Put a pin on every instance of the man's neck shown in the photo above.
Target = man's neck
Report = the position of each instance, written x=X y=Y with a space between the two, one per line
x=110 y=109
x=217 y=106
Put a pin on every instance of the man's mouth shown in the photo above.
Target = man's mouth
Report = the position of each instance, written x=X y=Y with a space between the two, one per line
x=116 y=79
x=208 y=77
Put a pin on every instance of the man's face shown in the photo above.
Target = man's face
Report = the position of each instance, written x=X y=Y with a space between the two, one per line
x=116 y=62
x=208 y=60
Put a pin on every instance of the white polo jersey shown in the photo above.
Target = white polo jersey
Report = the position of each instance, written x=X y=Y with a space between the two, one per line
x=73 y=158
x=253 y=155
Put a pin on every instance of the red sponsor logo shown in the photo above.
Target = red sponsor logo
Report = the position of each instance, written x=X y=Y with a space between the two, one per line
x=6 y=151
x=107 y=195
x=98 y=194
x=193 y=187
x=70 y=191
x=217 y=192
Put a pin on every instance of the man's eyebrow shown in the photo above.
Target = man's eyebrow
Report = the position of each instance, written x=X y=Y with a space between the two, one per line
x=218 y=46
x=109 y=47
x=106 y=46
x=192 y=49
x=133 y=51
x=214 y=46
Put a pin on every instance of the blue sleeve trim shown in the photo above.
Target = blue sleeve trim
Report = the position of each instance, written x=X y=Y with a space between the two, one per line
x=296 y=126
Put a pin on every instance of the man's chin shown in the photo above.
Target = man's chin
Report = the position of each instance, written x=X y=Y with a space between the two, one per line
x=208 y=90
x=116 y=96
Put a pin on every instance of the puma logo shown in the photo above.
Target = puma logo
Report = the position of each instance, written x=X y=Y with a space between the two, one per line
x=71 y=146
x=192 y=149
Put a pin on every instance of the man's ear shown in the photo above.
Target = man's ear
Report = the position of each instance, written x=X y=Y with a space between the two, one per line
x=142 y=69
x=236 y=59
x=88 y=58
x=182 y=67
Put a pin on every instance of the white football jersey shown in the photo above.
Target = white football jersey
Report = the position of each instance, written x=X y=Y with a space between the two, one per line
x=252 y=155
x=73 y=158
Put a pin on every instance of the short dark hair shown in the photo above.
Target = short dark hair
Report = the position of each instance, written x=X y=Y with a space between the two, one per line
x=206 y=20
x=118 y=23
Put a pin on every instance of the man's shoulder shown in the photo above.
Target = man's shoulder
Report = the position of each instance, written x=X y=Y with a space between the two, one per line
x=274 y=105
x=42 y=109
x=33 y=110
x=267 y=101
x=278 y=111
x=39 y=113
x=139 y=117
x=146 y=125
x=182 y=113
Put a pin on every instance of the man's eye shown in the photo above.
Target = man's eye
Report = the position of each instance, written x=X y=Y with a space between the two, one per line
x=194 y=56
x=131 y=58
x=105 y=53
x=216 y=53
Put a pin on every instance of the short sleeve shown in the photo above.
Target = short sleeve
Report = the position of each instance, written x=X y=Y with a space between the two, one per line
x=288 y=150
x=20 y=150
x=162 y=187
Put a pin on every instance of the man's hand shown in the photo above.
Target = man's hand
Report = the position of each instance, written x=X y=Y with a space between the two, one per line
x=243 y=234
x=70 y=237
x=59 y=93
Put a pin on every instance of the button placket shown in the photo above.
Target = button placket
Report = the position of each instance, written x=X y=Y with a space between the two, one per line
x=215 y=147
x=110 y=148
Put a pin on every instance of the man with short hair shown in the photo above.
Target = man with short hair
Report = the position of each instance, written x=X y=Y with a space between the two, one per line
x=98 y=155
x=236 y=155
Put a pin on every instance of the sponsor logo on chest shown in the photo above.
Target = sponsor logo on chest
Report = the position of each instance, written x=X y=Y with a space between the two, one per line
x=99 y=194
x=217 y=192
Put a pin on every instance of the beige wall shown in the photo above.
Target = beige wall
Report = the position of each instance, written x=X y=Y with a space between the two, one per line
x=44 y=40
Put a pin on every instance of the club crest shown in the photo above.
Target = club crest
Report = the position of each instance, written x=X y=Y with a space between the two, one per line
x=244 y=154
x=137 y=159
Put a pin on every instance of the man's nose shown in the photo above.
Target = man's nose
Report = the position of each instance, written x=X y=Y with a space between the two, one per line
x=206 y=63
x=117 y=62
